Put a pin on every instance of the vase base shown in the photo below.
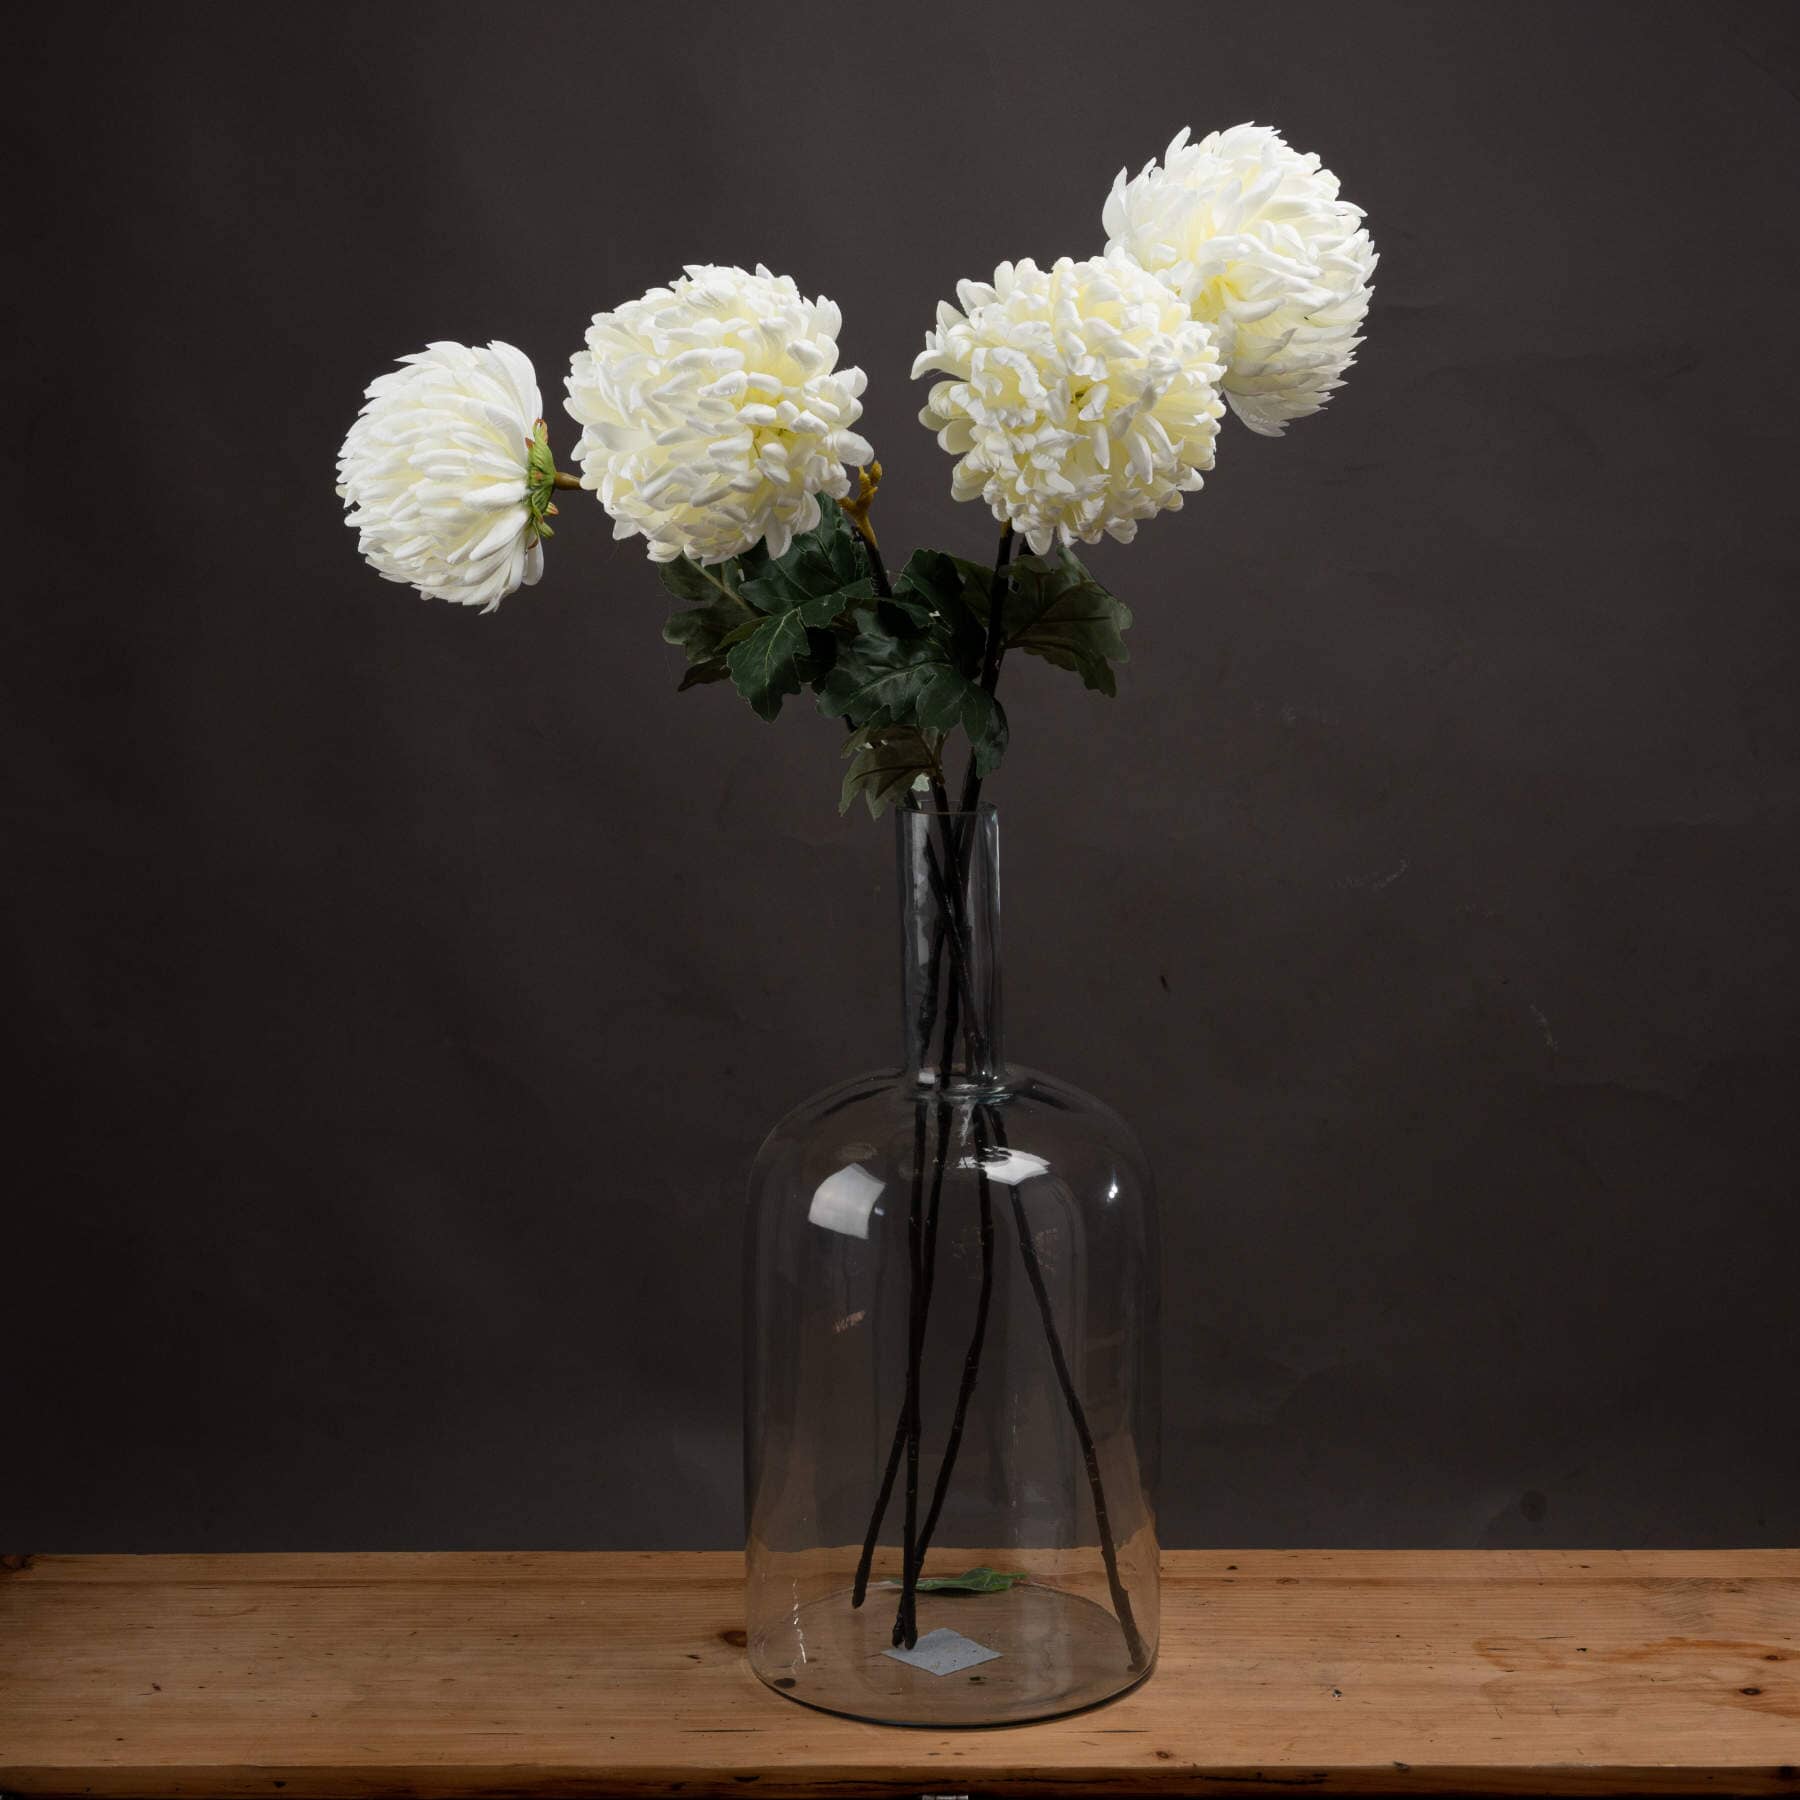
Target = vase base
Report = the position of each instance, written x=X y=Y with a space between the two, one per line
x=1051 y=1653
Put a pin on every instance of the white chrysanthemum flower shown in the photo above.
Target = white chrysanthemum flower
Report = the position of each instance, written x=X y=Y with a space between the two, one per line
x=715 y=414
x=447 y=476
x=1254 y=238
x=1082 y=398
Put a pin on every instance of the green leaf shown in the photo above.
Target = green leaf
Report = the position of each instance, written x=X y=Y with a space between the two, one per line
x=902 y=618
x=780 y=654
x=715 y=620
x=885 y=761
x=879 y=678
x=714 y=668
x=763 y=620
x=748 y=622
x=702 y=631
x=940 y=702
x=762 y=666
x=841 y=542
x=914 y=662
x=934 y=577
x=826 y=560
x=820 y=657
x=981 y=1580
x=943 y=592
x=729 y=627
x=696 y=586
x=787 y=644
x=984 y=719
x=1057 y=610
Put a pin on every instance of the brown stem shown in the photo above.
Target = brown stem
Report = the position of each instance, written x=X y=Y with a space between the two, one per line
x=563 y=479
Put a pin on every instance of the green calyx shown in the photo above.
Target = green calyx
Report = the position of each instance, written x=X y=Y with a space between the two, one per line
x=540 y=482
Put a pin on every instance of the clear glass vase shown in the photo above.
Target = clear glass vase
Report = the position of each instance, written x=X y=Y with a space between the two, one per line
x=952 y=1364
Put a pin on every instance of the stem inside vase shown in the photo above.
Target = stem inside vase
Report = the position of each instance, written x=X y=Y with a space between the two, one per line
x=949 y=874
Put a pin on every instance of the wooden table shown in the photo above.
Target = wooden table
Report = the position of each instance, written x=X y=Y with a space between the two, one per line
x=1365 y=1671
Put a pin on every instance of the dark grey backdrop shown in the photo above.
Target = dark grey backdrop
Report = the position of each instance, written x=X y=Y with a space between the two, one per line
x=398 y=993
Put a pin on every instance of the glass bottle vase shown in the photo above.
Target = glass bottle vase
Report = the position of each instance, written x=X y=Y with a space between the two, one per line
x=952 y=1409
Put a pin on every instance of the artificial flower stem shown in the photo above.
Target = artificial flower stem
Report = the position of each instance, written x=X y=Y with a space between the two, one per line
x=860 y=1587
x=993 y=651
x=903 y=1437
x=906 y=1629
x=952 y=929
x=927 y=1019
x=996 y=632
x=903 y=1440
x=990 y=1132
x=883 y=589
x=971 y=1361
x=1034 y=1273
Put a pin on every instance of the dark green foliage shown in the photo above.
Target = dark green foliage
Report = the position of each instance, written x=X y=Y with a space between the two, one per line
x=712 y=668
x=885 y=762
x=784 y=651
x=904 y=671
x=1057 y=610
x=765 y=618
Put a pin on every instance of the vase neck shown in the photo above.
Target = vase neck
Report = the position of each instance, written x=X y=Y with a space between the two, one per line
x=950 y=946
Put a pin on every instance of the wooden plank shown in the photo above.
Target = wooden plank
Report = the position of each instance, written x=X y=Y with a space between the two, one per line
x=477 y=1675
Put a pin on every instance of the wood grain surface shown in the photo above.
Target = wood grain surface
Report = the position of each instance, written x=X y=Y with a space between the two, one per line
x=623 y=1673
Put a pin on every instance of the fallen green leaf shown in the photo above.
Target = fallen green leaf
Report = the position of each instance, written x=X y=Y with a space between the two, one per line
x=971 y=1581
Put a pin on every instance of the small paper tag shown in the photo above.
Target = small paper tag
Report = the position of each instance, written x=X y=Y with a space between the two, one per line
x=943 y=1652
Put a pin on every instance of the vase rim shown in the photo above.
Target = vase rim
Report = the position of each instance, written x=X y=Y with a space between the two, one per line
x=984 y=809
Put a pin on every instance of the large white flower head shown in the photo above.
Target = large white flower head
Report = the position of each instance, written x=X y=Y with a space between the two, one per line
x=1082 y=398
x=1254 y=238
x=714 y=413
x=447 y=475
